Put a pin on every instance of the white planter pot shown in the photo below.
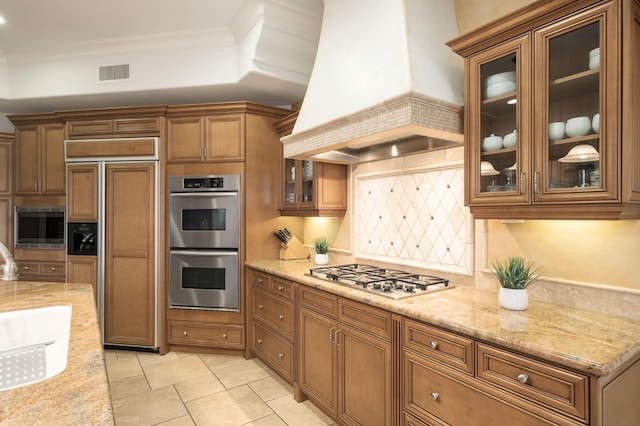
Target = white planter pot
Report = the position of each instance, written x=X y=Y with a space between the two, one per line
x=321 y=259
x=515 y=300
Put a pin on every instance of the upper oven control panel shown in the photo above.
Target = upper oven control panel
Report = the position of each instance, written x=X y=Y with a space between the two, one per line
x=204 y=183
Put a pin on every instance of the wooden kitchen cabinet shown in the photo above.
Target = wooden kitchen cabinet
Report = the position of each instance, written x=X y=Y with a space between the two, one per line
x=550 y=50
x=37 y=270
x=6 y=190
x=314 y=189
x=345 y=359
x=39 y=158
x=272 y=322
x=206 y=138
x=82 y=197
x=83 y=269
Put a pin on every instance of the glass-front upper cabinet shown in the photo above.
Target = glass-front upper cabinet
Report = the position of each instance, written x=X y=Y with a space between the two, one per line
x=498 y=154
x=575 y=146
x=299 y=181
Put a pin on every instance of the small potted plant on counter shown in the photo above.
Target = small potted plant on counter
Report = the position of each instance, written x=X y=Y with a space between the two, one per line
x=322 y=247
x=515 y=274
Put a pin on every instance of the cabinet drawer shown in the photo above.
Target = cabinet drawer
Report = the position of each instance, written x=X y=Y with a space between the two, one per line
x=276 y=313
x=93 y=127
x=53 y=269
x=282 y=288
x=451 y=349
x=28 y=269
x=319 y=301
x=533 y=380
x=366 y=318
x=451 y=398
x=260 y=280
x=204 y=334
x=273 y=350
x=134 y=125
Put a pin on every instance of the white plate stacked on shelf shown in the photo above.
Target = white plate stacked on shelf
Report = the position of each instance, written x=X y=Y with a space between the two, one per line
x=500 y=84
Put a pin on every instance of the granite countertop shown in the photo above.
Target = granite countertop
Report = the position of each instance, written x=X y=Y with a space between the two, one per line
x=80 y=393
x=589 y=342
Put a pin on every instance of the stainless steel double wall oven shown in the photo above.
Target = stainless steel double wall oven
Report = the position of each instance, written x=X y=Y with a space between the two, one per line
x=204 y=239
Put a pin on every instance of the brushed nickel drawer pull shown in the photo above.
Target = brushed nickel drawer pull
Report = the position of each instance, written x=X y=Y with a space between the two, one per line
x=523 y=378
x=280 y=288
x=433 y=344
x=260 y=306
x=331 y=340
x=435 y=396
x=260 y=341
x=336 y=338
x=53 y=268
x=224 y=336
x=281 y=317
x=184 y=333
x=26 y=268
x=259 y=280
x=280 y=356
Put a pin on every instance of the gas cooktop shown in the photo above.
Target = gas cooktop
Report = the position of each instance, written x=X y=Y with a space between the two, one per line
x=391 y=283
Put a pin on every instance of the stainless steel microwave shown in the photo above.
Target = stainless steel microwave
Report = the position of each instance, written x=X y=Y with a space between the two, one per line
x=40 y=227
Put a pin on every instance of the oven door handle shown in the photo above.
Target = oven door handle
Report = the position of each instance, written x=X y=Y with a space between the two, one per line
x=203 y=253
x=203 y=194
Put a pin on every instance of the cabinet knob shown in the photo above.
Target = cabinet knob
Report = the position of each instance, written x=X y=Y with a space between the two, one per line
x=523 y=378
x=260 y=341
x=260 y=306
x=435 y=396
x=280 y=288
x=184 y=333
x=433 y=344
x=259 y=280
x=280 y=356
x=281 y=317
x=224 y=336
x=26 y=268
x=53 y=268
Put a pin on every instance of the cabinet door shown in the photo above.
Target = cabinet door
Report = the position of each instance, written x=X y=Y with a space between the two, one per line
x=184 y=139
x=83 y=269
x=82 y=196
x=26 y=160
x=290 y=188
x=364 y=378
x=6 y=222
x=576 y=137
x=331 y=188
x=317 y=360
x=6 y=168
x=130 y=254
x=52 y=179
x=224 y=138
x=497 y=153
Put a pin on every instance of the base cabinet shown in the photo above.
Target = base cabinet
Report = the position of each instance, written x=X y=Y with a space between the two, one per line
x=83 y=269
x=345 y=363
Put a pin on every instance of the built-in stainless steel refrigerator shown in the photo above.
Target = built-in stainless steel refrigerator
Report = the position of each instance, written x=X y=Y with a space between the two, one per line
x=123 y=192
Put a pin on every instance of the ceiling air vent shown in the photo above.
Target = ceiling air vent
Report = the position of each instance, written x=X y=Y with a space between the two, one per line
x=113 y=72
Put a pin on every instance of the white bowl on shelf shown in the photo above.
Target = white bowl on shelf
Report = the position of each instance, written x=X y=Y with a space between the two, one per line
x=556 y=130
x=583 y=153
x=595 y=123
x=491 y=143
x=487 y=169
x=500 y=88
x=594 y=59
x=578 y=126
x=500 y=78
x=510 y=140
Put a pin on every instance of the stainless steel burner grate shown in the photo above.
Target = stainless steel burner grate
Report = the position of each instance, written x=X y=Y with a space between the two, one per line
x=392 y=283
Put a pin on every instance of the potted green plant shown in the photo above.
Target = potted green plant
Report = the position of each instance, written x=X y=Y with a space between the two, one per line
x=322 y=247
x=515 y=274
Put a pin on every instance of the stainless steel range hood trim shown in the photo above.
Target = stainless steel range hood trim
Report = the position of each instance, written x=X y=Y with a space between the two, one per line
x=415 y=120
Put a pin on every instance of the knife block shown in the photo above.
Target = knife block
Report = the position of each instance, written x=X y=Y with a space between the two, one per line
x=294 y=250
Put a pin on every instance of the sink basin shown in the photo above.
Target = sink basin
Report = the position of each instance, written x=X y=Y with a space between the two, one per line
x=33 y=345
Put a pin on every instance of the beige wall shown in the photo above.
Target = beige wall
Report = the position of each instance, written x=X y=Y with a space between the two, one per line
x=473 y=13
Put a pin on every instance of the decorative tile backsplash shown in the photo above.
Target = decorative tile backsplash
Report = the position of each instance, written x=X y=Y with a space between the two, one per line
x=416 y=218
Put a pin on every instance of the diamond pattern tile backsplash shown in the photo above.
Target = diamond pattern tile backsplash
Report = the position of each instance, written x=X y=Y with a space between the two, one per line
x=417 y=219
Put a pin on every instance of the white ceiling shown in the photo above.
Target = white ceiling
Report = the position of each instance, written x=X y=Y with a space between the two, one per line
x=40 y=28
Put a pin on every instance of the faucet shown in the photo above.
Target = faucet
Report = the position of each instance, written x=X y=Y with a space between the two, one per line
x=9 y=269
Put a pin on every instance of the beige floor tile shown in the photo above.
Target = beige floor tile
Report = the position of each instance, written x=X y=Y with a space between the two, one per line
x=180 y=421
x=294 y=413
x=147 y=358
x=149 y=408
x=199 y=387
x=236 y=371
x=272 y=420
x=271 y=387
x=175 y=371
x=127 y=387
x=233 y=407
x=123 y=368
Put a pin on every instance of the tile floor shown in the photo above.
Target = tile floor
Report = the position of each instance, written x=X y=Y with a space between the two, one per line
x=194 y=389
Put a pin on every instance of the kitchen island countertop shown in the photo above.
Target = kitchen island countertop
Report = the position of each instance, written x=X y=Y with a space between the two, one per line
x=593 y=343
x=80 y=393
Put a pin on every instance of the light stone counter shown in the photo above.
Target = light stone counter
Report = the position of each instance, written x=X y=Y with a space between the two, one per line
x=593 y=343
x=79 y=395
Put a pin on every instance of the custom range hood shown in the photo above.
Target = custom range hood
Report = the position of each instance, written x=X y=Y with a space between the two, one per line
x=384 y=83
